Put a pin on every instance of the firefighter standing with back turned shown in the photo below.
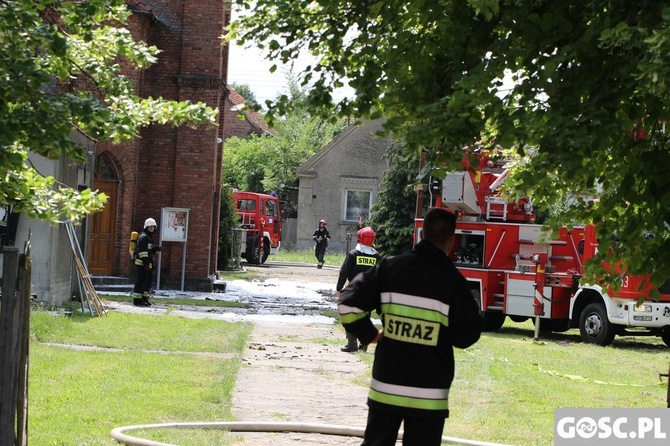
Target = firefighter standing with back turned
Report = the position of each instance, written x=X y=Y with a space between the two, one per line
x=144 y=263
x=427 y=309
x=358 y=260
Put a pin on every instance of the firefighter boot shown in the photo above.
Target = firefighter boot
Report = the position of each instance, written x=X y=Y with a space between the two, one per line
x=140 y=302
x=145 y=301
x=352 y=344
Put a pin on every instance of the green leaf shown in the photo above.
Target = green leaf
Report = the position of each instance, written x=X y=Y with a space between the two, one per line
x=91 y=42
x=577 y=76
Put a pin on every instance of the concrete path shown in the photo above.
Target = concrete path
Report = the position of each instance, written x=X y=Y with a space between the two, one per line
x=295 y=373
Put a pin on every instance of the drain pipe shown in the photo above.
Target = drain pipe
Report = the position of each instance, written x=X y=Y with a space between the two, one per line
x=259 y=426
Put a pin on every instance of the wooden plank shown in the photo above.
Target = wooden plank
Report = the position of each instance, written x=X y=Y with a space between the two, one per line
x=90 y=289
x=8 y=347
x=23 y=297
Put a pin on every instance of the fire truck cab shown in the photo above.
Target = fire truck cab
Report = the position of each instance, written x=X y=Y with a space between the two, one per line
x=261 y=221
x=516 y=269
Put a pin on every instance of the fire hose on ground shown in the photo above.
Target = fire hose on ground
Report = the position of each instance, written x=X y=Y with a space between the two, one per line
x=259 y=426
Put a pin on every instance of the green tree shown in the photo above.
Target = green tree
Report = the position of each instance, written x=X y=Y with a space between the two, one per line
x=244 y=161
x=268 y=163
x=47 y=44
x=228 y=220
x=245 y=91
x=393 y=213
x=584 y=74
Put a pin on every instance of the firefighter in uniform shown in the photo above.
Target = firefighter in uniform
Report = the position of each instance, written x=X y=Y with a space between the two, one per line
x=321 y=237
x=427 y=309
x=358 y=260
x=144 y=264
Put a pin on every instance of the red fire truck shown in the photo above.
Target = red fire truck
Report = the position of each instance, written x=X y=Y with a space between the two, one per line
x=515 y=271
x=261 y=221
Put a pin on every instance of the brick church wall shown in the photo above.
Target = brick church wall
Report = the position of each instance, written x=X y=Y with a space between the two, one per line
x=169 y=166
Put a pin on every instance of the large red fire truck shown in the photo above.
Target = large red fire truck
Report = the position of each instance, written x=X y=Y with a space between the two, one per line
x=515 y=271
x=261 y=221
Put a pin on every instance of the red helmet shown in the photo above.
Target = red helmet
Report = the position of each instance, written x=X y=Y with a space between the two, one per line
x=324 y=222
x=366 y=236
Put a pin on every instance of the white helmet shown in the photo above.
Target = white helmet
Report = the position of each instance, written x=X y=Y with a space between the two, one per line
x=149 y=222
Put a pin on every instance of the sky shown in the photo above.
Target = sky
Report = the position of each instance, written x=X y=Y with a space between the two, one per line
x=248 y=66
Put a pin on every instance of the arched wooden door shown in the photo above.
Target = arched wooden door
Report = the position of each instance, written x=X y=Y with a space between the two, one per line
x=103 y=223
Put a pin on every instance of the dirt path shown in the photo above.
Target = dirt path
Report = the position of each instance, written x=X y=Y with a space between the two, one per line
x=297 y=373
x=295 y=272
x=294 y=373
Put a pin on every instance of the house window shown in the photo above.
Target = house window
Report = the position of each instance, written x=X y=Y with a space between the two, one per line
x=104 y=169
x=357 y=205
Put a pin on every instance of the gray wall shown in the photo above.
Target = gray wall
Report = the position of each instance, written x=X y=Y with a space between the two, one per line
x=289 y=234
x=354 y=160
x=53 y=270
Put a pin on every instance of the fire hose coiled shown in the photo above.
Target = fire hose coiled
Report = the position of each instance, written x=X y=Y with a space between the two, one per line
x=259 y=426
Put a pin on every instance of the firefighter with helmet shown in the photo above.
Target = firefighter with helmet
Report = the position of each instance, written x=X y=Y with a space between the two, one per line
x=144 y=264
x=358 y=260
x=321 y=236
x=427 y=310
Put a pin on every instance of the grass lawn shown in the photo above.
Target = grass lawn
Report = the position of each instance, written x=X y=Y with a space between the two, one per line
x=507 y=386
x=89 y=375
x=307 y=256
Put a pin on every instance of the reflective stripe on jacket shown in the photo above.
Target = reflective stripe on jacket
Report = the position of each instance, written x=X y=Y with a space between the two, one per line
x=355 y=263
x=426 y=309
x=145 y=250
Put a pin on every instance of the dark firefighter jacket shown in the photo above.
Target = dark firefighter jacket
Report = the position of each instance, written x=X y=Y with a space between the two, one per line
x=323 y=234
x=356 y=262
x=144 y=253
x=427 y=309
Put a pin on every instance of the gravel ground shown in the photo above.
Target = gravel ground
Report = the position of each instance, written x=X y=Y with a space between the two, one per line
x=292 y=373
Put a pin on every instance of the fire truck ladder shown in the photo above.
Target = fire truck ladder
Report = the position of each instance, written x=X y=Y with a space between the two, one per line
x=496 y=207
x=499 y=300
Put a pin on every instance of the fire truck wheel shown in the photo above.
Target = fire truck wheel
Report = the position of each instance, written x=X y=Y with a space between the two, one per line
x=266 y=250
x=594 y=327
x=666 y=336
x=493 y=321
x=253 y=251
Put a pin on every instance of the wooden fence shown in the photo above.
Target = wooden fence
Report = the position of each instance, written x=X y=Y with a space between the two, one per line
x=14 y=336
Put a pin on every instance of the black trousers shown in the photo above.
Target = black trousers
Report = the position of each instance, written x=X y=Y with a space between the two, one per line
x=320 y=251
x=143 y=281
x=382 y=429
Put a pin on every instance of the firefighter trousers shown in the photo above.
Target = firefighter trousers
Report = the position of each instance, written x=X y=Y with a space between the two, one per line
x=143 y=281
x=382 y=429
x=320 y=251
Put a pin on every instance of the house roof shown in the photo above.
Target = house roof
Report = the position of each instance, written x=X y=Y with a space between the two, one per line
x=310 y=166
x=138 y=5
x=253 y=117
